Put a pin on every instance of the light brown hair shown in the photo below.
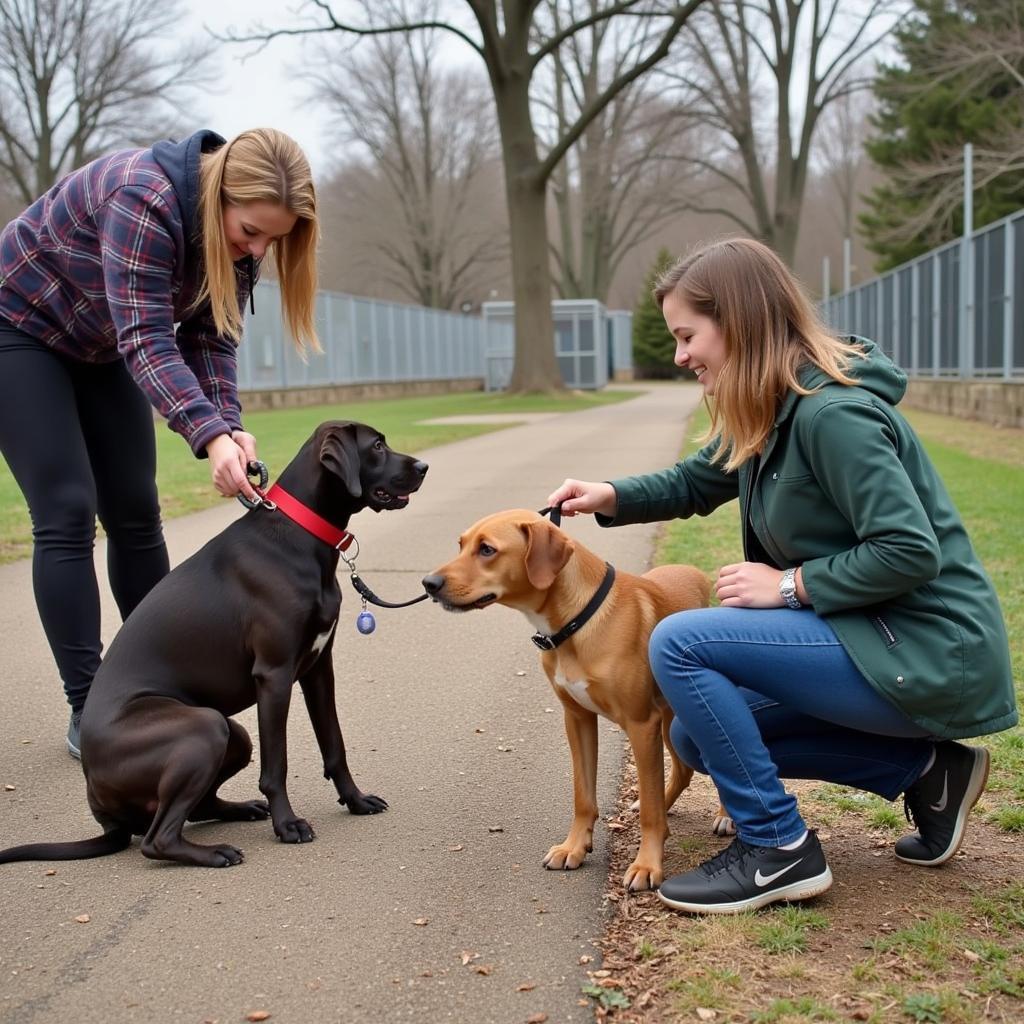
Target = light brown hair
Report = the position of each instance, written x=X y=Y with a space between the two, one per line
x=265 y=165
x=770 y=329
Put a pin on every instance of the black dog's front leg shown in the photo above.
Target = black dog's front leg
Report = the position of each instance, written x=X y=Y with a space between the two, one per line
x=318 y=691
x=273 y=697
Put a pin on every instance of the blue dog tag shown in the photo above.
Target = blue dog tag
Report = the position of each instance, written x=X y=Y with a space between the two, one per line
x=366 y=623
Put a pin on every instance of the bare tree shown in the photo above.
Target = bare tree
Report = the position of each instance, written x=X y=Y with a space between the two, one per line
x=431 y=146
x=620 y=180
x=764 y=72
x=843 y=129
x=78 y=77
x=508 y=38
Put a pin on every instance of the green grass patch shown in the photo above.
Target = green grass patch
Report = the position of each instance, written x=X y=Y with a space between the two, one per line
x=804 y=1008
x=787 y=929
x=184 y=481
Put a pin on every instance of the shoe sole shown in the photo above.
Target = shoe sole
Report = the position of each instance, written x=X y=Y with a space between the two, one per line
x=803 y=890
x=975 y=787
x=73 y=750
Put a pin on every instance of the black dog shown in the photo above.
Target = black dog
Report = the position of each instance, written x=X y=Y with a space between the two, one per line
x=237 y=624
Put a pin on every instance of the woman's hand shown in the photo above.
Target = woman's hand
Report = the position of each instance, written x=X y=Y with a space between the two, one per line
x=228 y=460
x=583 y=496
x=753 y=585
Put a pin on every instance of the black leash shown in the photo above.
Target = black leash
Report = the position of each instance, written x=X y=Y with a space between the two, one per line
x=549 y=643
x=367 y=594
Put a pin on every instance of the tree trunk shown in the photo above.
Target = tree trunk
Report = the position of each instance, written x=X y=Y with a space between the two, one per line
x=536 y=368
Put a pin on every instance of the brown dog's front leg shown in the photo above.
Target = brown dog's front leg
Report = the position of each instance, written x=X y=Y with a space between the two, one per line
x=581 y=732
x=273 y=697
x=318 y=692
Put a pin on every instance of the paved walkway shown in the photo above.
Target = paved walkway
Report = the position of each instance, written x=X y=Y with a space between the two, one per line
x=448 y=717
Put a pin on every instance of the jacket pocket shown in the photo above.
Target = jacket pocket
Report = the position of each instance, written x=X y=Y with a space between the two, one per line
x=885 y=631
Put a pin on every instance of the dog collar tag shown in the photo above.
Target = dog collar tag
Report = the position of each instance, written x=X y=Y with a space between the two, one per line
x=365 y=622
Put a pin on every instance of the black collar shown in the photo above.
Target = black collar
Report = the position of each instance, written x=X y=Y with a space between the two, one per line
x=549 y=643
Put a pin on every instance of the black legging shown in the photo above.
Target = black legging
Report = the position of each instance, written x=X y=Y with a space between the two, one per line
x=79 y=439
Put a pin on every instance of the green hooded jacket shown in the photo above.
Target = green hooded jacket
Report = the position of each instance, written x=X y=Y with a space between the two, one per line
x=844 y=489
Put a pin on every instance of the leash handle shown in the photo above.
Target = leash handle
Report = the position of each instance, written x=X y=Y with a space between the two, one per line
x=257 y=469
x=555 y=511
x=368 y=595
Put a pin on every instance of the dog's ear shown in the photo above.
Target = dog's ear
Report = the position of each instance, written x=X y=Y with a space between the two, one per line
x=547 y=551
x=339 y=454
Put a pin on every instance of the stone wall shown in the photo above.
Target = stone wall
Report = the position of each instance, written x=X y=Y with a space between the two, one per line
x=288 y=398
x=1000 y=402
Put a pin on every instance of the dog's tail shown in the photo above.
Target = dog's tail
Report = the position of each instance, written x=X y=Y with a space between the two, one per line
x=114 y=841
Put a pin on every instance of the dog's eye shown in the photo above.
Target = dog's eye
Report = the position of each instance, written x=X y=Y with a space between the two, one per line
x=486 y=550
x=378 y=445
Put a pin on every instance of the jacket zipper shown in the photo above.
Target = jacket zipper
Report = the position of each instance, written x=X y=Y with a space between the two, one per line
x=891 y=639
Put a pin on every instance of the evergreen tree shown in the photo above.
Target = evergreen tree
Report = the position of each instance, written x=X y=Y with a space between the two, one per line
x=653 y=346
x=929 y=106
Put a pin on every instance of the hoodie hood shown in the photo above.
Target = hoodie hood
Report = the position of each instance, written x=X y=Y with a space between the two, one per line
x=180 y=162
x=876 y=373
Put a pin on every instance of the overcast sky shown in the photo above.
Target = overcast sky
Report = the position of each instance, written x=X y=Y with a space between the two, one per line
x=261 y=91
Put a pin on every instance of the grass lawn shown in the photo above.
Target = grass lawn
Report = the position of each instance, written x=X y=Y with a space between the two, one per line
x=184 y=481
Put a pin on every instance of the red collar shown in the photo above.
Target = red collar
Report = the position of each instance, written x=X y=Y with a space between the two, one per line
x=309 y=520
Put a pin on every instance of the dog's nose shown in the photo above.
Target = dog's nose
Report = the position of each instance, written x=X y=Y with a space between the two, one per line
x=432 y=584
x=420 y=468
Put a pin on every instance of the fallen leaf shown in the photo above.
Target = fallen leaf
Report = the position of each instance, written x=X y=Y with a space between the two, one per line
x=50 y=873
x=484 y=969
x=426 y=974
x=421 y=921
x=9 y=788
x=610 y=983
x=495 y=828
x=256 y=1015
x=586 y=959
x=617 y=826
x=527 y=986
x=601 y=973
x=971 y=955
x=83 y=919
x=539 y=1018
x=468 y=956
x=456 y=849
x=705 y=1014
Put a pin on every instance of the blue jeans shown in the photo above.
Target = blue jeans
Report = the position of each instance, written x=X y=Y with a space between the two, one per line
x=765 y=694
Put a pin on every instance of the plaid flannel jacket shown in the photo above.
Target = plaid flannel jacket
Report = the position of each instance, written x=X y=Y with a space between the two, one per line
x=99 y=268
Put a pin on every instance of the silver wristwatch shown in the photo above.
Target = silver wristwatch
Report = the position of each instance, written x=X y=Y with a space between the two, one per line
x=787 y=589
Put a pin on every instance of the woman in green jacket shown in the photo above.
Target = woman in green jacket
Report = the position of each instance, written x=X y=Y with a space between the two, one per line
x=860 y=637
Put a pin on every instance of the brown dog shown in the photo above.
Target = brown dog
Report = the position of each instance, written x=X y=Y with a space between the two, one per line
x=519 y=559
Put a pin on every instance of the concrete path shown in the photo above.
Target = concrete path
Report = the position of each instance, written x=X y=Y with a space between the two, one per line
x=448 y=717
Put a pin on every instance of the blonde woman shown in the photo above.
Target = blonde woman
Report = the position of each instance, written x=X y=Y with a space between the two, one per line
x=860 y=637
x=94 y=276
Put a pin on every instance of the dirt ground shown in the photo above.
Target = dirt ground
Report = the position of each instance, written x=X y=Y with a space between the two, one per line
x=889 y=941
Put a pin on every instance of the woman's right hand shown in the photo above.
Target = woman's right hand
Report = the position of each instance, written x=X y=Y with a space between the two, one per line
x=585 y=496
x=228 y=462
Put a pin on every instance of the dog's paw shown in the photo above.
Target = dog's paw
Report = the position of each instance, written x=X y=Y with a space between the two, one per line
x=565 y=858
x=723 y=825
x=294 y=830
x=364 y=803
x=639 y=877
x=224 y=856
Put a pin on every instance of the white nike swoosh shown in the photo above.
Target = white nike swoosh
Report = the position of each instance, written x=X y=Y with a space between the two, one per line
x=763 y=880
x=941 y=805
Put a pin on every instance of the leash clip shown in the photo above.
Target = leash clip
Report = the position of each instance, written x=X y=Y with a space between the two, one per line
x=543 y=642
x=257 y=469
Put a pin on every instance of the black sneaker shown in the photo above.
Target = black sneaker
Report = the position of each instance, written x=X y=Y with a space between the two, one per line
x=73 y=741
x=939 y=802
x=745 y=877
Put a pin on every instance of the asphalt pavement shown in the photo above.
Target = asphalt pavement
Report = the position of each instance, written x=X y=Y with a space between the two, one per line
x=437 y=910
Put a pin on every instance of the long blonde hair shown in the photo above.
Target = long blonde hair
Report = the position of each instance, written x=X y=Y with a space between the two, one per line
x=770 y=329
x=265 y=165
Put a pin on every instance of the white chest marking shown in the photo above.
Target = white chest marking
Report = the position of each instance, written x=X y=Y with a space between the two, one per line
x=321 y=641
x=578 y=691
